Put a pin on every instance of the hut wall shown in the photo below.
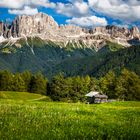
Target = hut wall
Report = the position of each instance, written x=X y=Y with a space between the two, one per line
x=97 y=100
x=103 y=100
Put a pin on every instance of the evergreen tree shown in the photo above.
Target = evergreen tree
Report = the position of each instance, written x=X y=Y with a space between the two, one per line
x=38 y=84
x=81 y=86
x=108 y=84
x=58 y=87
x=18 y=83
x=128 y=86
x=26 y=76
x=6 y=81
x=69 y=89
x=94 y=84
x=77 y=85
x=85 y=87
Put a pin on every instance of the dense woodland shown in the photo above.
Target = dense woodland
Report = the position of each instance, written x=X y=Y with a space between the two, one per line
x=98 y=65
x=125 y=86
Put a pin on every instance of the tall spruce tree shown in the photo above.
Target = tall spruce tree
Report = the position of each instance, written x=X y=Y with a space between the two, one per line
x=18 y=83
x=108 y=84
x=128 y=86
x=58 y=87
x=26 y=76
x=6 y=81
x=38 y=84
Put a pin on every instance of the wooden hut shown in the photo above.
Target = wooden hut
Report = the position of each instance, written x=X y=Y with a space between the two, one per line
x=96 y=97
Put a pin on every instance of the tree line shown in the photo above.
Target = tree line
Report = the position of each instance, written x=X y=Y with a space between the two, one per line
x=23 y=82
x=124 y=86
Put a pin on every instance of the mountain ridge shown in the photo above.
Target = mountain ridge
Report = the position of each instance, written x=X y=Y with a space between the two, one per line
x=45 y=27
x=38 y=43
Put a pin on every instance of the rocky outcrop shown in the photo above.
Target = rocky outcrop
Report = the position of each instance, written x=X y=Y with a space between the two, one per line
x=38 y=24
x=28 y=26
x=70 y=30
x=135 y=33
x=123 y=36
x=113 y=31
x=1 y=28
x=8 y=30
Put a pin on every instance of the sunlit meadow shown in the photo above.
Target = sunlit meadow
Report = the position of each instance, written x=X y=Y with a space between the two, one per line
x=42 y=120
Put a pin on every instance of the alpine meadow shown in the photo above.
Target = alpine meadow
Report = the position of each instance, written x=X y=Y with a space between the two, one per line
x=69 y=70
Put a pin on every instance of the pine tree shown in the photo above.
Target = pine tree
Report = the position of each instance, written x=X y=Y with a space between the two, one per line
x=94 y=84
x=38 y=84
x=108 y=84
x=18 y=83
x=6 y=81
x=58 y=87
x=128 y=86
x=26 y=76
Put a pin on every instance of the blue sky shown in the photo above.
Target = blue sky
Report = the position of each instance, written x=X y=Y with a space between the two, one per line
x=87 y=13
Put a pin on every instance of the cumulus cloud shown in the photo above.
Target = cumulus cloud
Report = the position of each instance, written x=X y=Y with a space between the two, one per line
x=83 y=10
x=43 y=3
x=120 y=9
x=76 y=8
x=26 y=11
x=91 y=21
x=17 y=4
x=11 y=3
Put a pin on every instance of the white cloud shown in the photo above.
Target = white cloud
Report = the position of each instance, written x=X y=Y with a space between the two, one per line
x=74 y=9
x=26 y=11
x=124 y=10
x=17 y=4
x=43 y=3
x=91 y=21
x=11 y=3
x=120 y=9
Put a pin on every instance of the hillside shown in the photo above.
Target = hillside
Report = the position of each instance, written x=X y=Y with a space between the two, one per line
x=102 y=62
x=50 y=58
x=38 y=55
x=23 y=96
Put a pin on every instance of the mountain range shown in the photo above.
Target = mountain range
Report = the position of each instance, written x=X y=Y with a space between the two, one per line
x=38 y=43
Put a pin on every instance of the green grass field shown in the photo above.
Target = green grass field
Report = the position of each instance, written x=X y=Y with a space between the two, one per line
x=24 y=96
x=33 y=119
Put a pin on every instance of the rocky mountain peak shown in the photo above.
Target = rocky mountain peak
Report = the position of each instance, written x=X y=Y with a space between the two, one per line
x=37 y=24
x=28 y=25
x=44 y=26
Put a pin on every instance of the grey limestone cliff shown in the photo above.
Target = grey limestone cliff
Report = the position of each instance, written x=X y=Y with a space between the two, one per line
x=45 y=27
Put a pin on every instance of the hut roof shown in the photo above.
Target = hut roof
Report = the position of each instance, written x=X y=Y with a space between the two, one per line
x=92 y=93
x=96 y=94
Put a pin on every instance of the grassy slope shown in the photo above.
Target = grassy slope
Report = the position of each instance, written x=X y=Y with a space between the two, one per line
x=25 y=96
x=50 y=120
